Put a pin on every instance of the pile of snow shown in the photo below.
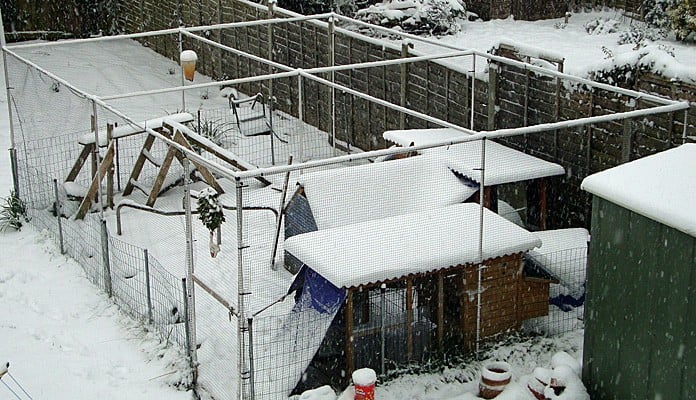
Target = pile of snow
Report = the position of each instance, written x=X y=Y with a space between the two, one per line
x=431 y=16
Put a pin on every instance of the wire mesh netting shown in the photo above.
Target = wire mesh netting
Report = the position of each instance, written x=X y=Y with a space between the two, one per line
x=383 y=260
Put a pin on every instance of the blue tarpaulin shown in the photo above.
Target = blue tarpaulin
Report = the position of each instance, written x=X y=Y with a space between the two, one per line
x=315 y=292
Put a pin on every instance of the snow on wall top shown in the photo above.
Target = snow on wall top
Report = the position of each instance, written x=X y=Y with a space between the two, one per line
x=503 y=164
x=394 y=247
x=661 y=187
x=344 y=196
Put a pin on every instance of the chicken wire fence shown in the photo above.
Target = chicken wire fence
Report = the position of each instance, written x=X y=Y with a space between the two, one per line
x=50 y=121
x=386 y=259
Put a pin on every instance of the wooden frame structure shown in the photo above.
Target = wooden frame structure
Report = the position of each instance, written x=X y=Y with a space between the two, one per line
x=171 y=127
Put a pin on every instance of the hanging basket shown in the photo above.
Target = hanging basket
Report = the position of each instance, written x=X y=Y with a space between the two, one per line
x=494 y=377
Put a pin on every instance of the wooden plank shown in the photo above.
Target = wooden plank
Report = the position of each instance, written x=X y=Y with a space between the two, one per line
x=349 y=333
x=409 y=317
x=207 y=175
x=138 y=166
x=92 y=191
x=440 y=311
x=542 y=204
x=80 y=162
x=161 y=175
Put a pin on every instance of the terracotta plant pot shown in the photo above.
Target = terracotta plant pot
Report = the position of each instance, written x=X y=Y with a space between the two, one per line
x=494 y=377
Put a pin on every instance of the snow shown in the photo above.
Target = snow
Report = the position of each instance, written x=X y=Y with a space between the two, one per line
x=127 y=130
x=503 y=164
x=393 y=247
x=188 y=56
x=65 y=339
x=583 y=52
x=345 y=196
x=660 y=187
x=364 y=377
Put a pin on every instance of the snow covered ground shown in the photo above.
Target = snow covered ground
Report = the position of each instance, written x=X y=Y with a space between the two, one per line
x=65 y=339
x=583 y=52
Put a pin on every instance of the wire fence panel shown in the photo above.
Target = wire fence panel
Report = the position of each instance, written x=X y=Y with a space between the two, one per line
x=567 y=293
x=218 y=347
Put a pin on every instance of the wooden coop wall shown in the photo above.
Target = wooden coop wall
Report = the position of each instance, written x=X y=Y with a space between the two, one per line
x=440 y=311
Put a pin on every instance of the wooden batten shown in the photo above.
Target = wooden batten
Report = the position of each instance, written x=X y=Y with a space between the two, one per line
x=542 y=204
x=93 y=189
x=110 y=174
x=409 y=316
x=349 y=333
x=440 y=311
x=138 y=166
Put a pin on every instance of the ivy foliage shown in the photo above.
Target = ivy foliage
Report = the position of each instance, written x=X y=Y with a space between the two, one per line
x=209 y=209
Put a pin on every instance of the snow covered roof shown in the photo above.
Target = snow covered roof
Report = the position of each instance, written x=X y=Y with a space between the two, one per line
x=345 y=196
x=394 y=247
x=503 y=164
x=661 y=187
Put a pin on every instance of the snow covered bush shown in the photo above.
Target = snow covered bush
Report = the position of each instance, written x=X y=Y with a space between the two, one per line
x=602 y=26
x=13 y=212
x=307 y=7
x=657 y=12
x=211 y=214
x=419 y=16
x=638 y=34
x=683 y=20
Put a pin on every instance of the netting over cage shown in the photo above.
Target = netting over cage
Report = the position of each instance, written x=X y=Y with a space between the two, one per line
x=381 y=245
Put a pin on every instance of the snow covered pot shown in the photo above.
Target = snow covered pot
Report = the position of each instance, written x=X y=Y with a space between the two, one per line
x=494 y=377
x=188 y=60
x=538 y=383
x=364 y=380
x=211 y=214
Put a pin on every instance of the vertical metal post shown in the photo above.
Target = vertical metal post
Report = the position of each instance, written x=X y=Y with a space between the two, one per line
x=279 y=219
x=270 y=120
x=271 y=12
x=15 y=170
x=97 y=175
x=300 y=112
x=190 y=287
x=183 y=79
x=146 y=258
x=383 y=318
x=8 y=88
x=473 y=91
x=332 y=78
x=241 y=292
x=479 y=285
x=187 y=330
x=105 y=258
x=59 y=211
x=492 y=95
x=252 y=391
x=686 y=126
x=403 y=83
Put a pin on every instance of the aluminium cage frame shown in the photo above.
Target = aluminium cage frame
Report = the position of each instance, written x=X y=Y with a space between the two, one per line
x=664 y=106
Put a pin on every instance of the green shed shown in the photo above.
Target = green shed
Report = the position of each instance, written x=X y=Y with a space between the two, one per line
x=640 y=340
